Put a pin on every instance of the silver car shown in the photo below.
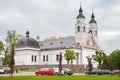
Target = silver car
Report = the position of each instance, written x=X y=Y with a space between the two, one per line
x=2 y=71
x=56 y=70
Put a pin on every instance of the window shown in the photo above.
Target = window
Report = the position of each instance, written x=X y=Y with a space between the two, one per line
x=51 y=43
x=78 y=29
x=84 y=28
x=43 y=58
x=90 y=31
x=95 y=33
x=46 y=57
x=57 y=57
x=35 y=58
x=61 y=42
x=32 y=58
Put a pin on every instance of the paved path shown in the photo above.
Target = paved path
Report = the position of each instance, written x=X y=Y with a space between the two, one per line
x=20 y=74
x=31 y=74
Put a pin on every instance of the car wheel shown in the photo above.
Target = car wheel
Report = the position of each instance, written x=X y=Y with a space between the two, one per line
x=36 y=74
x=56 y=73
x=65 y=73
x=46 y=74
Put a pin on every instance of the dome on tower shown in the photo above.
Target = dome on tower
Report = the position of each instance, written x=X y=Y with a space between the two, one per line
x=27 y=42
x=80 y=15
x=92 y=19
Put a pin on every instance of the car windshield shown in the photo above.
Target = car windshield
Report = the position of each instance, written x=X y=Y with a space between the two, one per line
x=54 y=68
x=66 y=69
x=1 y=68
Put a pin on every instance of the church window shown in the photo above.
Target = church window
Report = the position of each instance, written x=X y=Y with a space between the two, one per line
x=78 y=29
x=21 y=42
x=51 y=43
x=43 y=58
x=61 y=42
x=35 y=58
x=46 y=57
x=32 y=58
x=84 y=28
x=90 y=31
x=96 y=33
x=57 y=57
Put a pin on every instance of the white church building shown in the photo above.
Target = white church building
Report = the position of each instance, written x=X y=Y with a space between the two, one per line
x=29 y=51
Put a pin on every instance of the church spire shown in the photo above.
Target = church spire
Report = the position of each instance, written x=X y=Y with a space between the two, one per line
x=92 y=18
x=80 y=15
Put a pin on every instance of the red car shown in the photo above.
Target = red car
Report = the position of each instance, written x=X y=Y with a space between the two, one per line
x=115 y=72
x=45 y=71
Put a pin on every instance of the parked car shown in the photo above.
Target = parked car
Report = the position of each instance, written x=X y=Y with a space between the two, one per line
x=98 y=72
x=67 y=71
x=6 y=70
x=44 y=71
x=1 y=70
x=115 y=72
x=56 y=70
x=94 y=71
x=105 y=71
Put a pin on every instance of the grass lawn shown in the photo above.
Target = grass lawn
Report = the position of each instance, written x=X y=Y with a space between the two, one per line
x=82 y=77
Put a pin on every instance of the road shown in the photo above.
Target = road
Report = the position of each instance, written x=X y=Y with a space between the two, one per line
x=31 y=74
x=20 y=74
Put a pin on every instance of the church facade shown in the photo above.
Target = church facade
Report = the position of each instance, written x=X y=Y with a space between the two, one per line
x=29 y=51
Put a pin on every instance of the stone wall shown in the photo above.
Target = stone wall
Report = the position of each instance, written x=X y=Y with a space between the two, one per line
x=74 y=68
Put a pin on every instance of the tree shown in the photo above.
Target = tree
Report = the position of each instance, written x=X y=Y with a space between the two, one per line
x=69 y=55
x=99 y=57
x=1 y=47
x=6 y=59
x=105 y=64
x=90 y=67
x=11 y=39
x=60 y=63
x=115 y=59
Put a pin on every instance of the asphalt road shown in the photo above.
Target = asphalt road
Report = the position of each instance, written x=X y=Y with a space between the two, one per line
x=20 y=74
x=31 y=74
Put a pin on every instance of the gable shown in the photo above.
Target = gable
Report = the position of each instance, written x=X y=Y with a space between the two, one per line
x=90 y=42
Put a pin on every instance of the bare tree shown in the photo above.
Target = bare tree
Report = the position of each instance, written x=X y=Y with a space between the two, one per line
x=60 y=63
x=90 y=67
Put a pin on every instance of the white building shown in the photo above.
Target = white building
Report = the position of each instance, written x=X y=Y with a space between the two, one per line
x=29 y=51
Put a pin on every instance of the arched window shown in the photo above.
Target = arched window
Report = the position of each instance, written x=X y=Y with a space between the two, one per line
x=57 y=57
x=35 y=58
x=47 y=58
x=32 y=58
x=84 y=28
x=43 y=58
x=95 y=33
x=90 y=31
x=78 y=29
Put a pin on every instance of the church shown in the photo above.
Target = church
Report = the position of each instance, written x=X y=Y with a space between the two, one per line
x=29 y=51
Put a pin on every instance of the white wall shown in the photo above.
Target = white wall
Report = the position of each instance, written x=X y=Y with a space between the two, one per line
x=24 y=57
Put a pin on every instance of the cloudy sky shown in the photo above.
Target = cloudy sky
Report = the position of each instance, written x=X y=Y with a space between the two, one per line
x=57 y=18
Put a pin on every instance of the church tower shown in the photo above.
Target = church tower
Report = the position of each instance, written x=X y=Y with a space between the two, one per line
x=80 y=27
x=93 y=27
